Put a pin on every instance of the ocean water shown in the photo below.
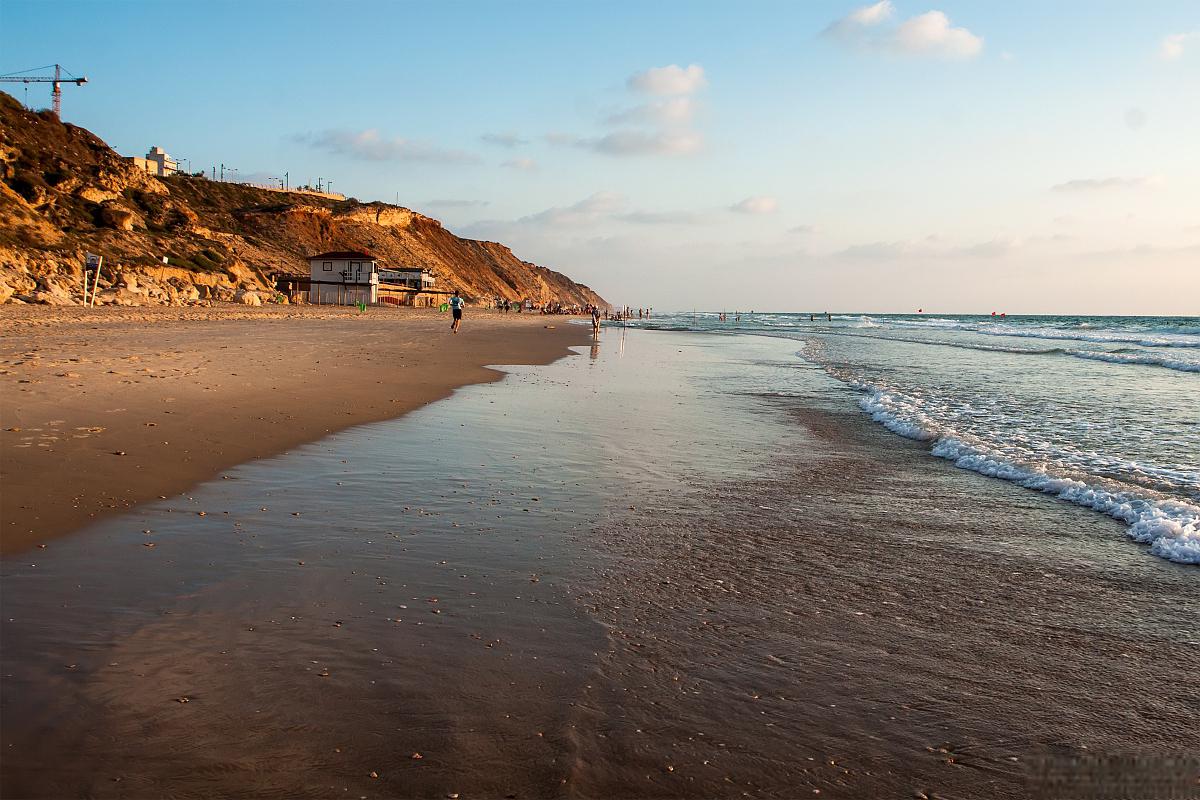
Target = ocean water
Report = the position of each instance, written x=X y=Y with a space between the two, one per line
x=1103 y=412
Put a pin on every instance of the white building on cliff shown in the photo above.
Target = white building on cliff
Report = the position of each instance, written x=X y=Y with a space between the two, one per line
x=156 y=162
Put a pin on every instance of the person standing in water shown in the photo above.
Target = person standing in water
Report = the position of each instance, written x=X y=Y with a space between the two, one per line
x=456 y=308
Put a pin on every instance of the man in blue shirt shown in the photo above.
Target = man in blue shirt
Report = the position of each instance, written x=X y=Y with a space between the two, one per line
x=456 y=307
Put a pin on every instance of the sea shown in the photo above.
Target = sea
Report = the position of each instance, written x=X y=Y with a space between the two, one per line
x=1103 y=412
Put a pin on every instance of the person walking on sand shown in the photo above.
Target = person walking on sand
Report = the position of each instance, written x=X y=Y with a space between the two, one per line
x=456 y=307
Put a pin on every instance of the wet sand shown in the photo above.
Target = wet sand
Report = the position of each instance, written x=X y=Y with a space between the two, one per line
x=106 y=408
x=682 y=567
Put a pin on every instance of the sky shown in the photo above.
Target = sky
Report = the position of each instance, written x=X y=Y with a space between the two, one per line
x=1019 y=157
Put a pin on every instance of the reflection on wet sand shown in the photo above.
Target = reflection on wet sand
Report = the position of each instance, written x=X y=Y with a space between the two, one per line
x=679 y=567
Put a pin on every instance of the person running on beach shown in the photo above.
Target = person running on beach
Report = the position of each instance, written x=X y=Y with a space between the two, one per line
x=456 y=307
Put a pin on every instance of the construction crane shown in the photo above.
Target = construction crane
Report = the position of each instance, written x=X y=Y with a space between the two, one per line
x=57 y=80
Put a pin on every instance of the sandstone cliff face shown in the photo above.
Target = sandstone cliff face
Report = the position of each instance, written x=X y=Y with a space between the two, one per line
x=64 y=192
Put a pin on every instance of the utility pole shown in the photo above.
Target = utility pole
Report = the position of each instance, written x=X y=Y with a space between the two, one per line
x=286 y=182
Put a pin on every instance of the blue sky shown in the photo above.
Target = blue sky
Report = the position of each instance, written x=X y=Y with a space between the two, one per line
x=1028 y=157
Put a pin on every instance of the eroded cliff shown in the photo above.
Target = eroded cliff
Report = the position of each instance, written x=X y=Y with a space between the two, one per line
x=64 y=192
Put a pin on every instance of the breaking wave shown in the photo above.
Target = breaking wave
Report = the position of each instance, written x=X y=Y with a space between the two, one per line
x=1147 y=359
x=1170 y=527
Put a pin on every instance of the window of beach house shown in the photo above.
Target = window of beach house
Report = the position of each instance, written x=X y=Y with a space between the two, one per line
x=327 y=266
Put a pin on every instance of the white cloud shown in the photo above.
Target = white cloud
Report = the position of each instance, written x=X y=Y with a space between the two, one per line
x=1173 y=46
x=525 y=164
x=669 y=80
x=756 y=205
x=928 y=34
x=660 y=217
x=369 y=145
x=589 y=209
x=1103 y=184
x=931 y=34
x=669 y=111
x=503 y=139
x=635 y=143
x=665 y=121
x=852 y=25
x=803 y=229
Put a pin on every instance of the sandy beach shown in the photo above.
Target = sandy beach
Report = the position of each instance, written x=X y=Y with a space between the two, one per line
x=103 y=409
x=676 y=567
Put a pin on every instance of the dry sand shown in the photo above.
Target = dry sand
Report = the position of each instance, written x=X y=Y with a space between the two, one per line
x=101 y=409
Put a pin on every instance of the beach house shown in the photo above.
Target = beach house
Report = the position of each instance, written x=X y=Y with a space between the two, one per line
x=343 y=277
x=410 y=277
x=410 y=286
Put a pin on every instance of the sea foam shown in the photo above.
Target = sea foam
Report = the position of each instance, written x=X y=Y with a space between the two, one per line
x=1147 y=359
x=1171 y=528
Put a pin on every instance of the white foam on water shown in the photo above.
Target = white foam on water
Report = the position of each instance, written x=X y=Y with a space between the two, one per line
x=1143 y=339
x=1147 y=359
x=1170 y=527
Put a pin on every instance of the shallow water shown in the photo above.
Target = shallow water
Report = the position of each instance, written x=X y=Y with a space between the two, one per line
x=1101 y=411
x=678 y=565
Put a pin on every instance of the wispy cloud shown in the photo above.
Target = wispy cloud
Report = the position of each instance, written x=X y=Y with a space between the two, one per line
x=561 y=139
x=370 y=145
x=524 y=164
x=587 y=210
x=669 y=80
x=929 y=247
x=852 y=26
x=455 y=203
x=928 y=34
x=1106 y=184
x=661 y=217
x=803 y=229
x=756 y=205
x=1173 y=46
x=657 y=127
x=509 y=140
x=635 y=143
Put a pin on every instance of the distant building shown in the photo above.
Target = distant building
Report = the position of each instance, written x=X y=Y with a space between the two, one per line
x=156 y=162
x=413 y=278
x=343 y=277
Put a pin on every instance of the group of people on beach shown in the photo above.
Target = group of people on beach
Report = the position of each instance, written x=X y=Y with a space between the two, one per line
x=626 y=313
x=457 y=303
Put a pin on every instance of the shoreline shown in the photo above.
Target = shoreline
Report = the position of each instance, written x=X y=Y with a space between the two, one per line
x=572 y=583
x=107 y=408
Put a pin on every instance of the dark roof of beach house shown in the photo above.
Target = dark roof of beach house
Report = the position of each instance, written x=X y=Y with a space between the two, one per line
x=342 y=254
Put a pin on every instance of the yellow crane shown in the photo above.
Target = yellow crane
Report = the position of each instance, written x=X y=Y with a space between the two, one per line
x=57 y=80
